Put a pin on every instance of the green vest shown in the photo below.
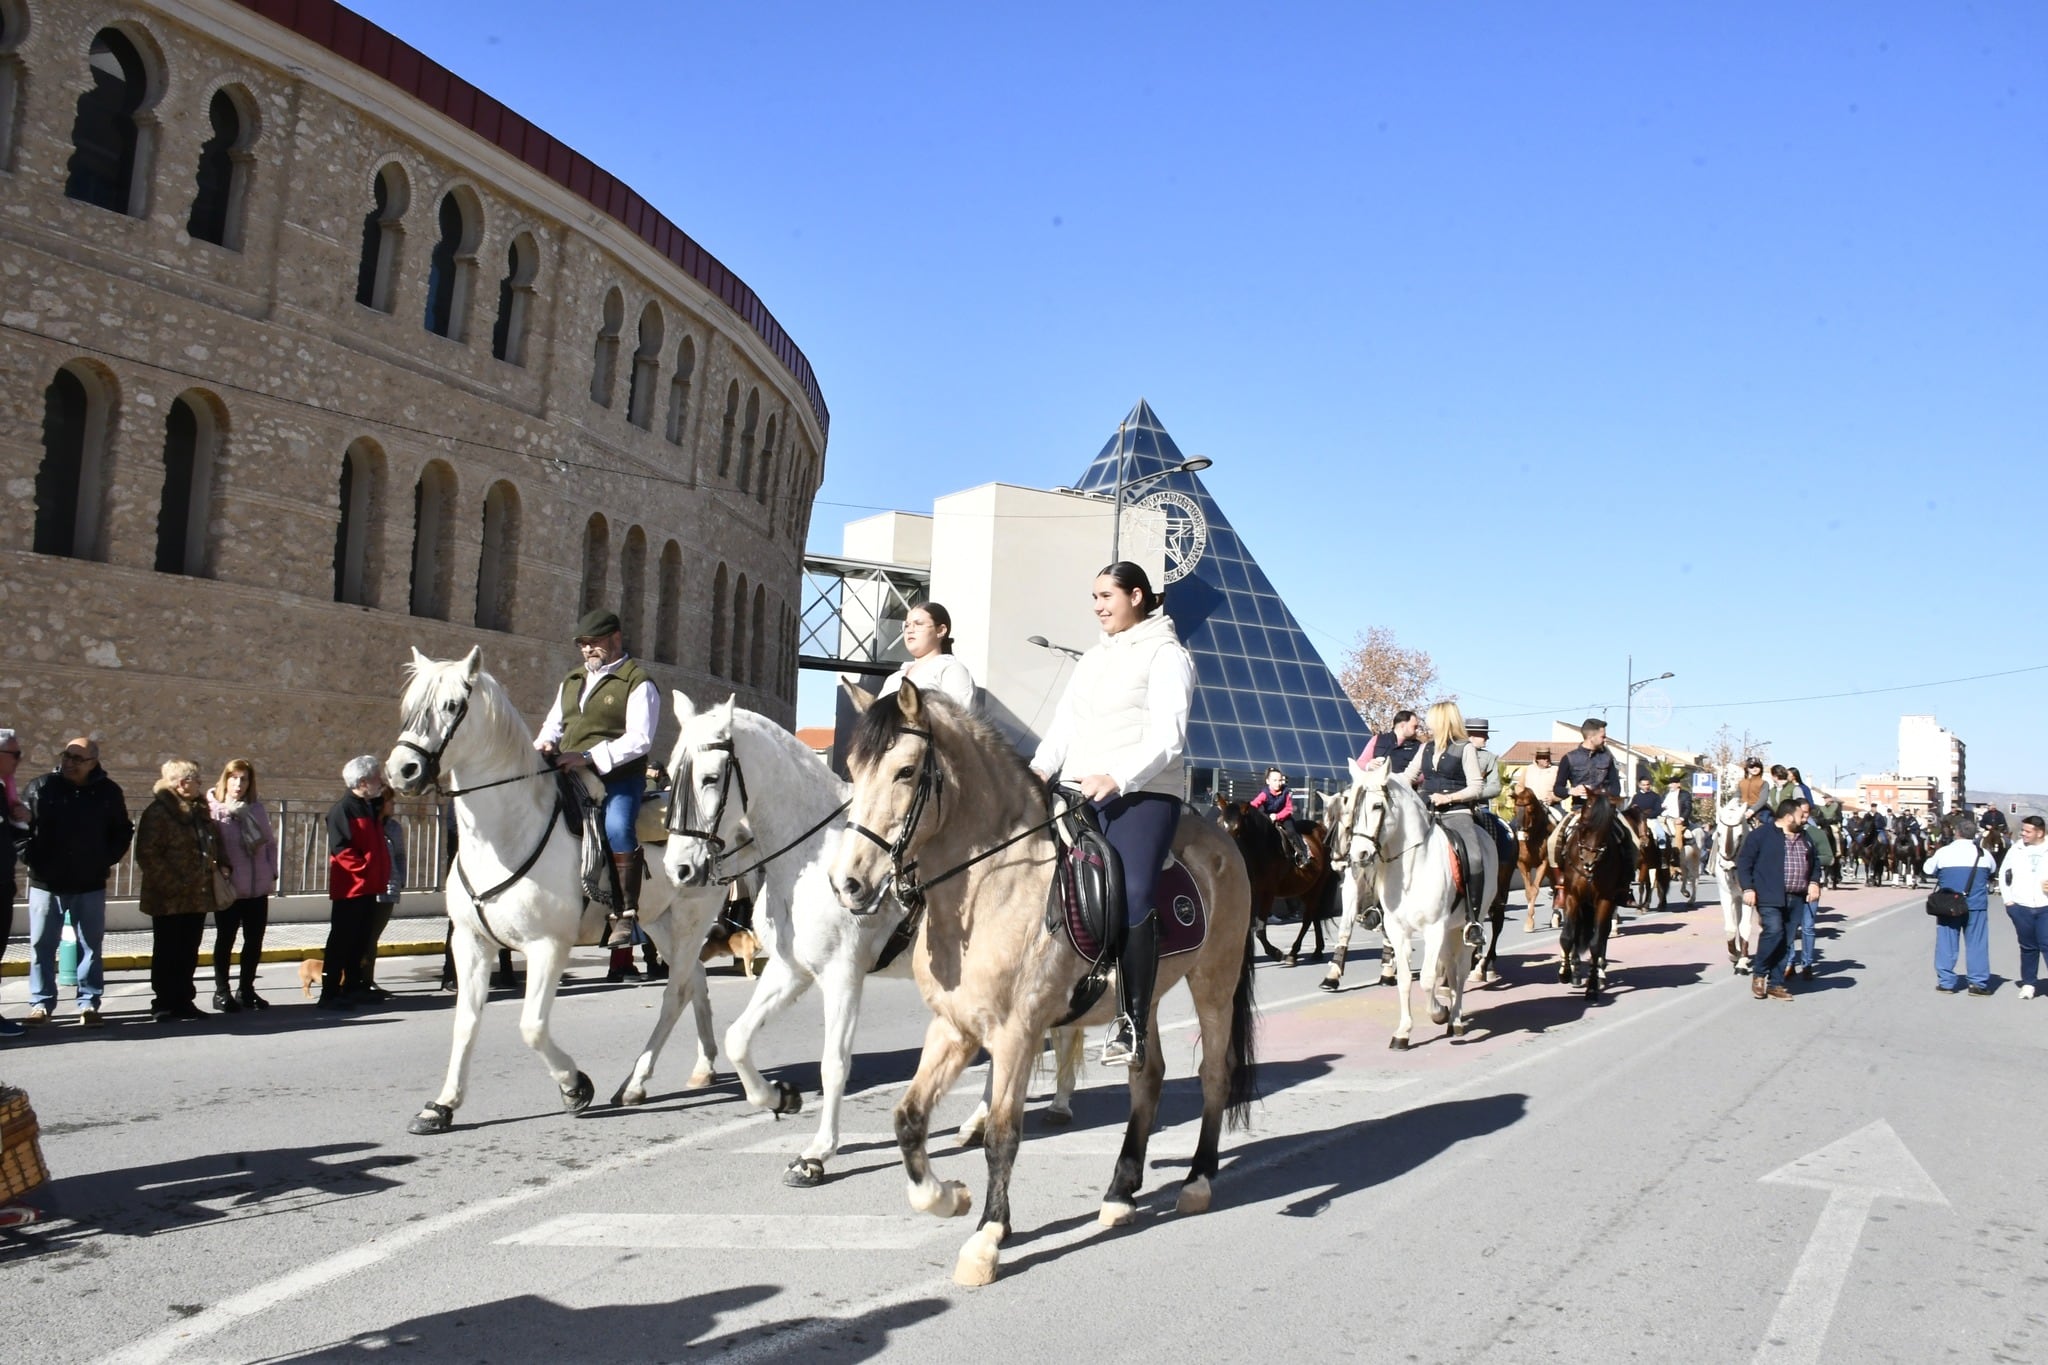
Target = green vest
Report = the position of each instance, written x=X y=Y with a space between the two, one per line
x=605 y=717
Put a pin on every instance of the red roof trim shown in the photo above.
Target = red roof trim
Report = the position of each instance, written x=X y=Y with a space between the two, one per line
x=355 y=39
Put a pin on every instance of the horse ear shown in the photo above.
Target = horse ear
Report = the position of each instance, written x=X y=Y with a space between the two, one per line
x=419 y=660
x=861 y=698
x=910 y=702
x=725 y=709
x=1357 y=773
x=686 y=709
x=473 y=662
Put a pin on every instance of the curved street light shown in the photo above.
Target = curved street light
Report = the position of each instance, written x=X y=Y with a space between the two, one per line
x=1192 y=465
x=1628 y=731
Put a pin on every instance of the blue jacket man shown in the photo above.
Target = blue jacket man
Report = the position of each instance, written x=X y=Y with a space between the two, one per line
x=1778 y=868
x=1962 y=865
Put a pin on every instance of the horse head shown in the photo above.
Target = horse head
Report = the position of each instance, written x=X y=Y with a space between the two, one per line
x=899 y=775
x=709 y=801
x=454 y=715
x=1387 y=817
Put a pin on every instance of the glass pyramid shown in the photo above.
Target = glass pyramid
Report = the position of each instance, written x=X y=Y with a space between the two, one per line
x=1263 y=695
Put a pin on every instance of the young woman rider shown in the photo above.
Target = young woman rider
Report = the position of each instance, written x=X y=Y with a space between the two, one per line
x=1118 y=738
x=928 y=635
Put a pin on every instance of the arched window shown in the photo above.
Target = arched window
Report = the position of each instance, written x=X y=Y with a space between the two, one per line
x=738 y=671
x=767 y=474
x=605 y=362
x=109 y=163
x=597 y=548
x=12 y=27
x=78 y=425
x=744 y=475
x=679 y=391
x=433 y=541
x=668 y=605
x=497 y=570
x=223 y=174
x=718 y=626
x=633 y=586
x=451 y=269
x=725 y=432
x=646 y=361
x=383 y=235
x=515 y=300
x=192 y=446
x=757 y=641
x=356 y=565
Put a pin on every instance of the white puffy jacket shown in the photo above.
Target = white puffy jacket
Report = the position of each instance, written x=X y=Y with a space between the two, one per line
x=1125 y=711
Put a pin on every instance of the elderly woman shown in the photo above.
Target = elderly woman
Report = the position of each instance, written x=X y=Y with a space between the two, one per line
x=248 y=842
x=176 y=849
x=358 y=871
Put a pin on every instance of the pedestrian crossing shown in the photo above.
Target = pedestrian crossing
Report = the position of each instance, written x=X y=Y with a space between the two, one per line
x=731 y=1232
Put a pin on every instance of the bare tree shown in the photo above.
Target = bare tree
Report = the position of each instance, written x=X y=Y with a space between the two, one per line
x=1726 y=748
x=1381 y=678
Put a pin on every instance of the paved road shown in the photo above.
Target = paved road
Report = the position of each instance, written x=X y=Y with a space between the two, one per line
x=1569 y=1180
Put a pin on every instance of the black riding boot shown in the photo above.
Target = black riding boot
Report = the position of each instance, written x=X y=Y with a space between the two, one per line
x=629 y=868
x=1136 y=972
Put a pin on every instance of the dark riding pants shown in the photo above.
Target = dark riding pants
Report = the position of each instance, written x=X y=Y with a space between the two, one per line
x=1140 y=828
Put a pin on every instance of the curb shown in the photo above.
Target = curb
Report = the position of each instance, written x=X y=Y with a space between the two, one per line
x=132 y=962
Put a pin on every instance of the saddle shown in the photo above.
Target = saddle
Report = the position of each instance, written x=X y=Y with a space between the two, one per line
x=1085 y=903
x=582 y=798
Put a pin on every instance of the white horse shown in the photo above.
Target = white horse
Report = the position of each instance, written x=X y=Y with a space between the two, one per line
x=1406 y=856
x=1336 y=843
x=751 y=797
x=1739 y=921
x=515 y=882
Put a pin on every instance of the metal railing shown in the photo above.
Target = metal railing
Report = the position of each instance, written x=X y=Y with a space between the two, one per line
x=302 y=849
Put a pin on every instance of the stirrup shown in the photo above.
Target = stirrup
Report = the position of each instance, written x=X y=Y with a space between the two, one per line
x=623 y=925
x=1371 y=918
x=1475 y=935
x=1122 y=1047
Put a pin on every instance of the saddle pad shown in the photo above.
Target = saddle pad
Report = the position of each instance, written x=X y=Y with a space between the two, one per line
x=1183 y=918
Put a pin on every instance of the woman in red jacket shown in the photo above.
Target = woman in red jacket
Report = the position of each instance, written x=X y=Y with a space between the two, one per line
x=358 y=871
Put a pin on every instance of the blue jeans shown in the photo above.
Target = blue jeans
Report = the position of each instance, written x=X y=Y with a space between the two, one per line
x=622 y=797
x=2030 y=922
x=1801 y=931
x=1975 y=937
x=46 y=911
x=1774 y=941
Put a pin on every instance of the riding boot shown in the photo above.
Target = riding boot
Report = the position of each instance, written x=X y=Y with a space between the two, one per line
x=627 y=920
x=1136 y=971
x=657 y=970
x=620 y=967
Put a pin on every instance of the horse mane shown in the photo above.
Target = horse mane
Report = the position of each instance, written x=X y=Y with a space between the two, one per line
x=876 y=731
x=430 y=682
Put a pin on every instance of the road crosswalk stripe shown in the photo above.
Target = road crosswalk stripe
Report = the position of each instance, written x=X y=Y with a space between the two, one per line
x=731 y=1232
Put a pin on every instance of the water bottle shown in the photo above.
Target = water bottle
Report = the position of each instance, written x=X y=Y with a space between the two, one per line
x=67 y=954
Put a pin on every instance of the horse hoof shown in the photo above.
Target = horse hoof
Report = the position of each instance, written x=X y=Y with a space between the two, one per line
x=980 y=1258
x=434 y=1118
x=788 y=1099
x=629 y=1097
x=941 y=1199
x=1387 y=978
x=1459 y=1027
x=804 y=1173
x=700 y=1078
x=1329 y=983
x=1059 y=1118
x=1556 y=920
x=1194 y=1196
x=577 y=1097
x=1114 y=1213
x=1437 y=1013
x=1398 y=1043
x=1287 y=960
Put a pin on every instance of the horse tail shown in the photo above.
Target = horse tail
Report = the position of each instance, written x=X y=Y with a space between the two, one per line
x=1244 y=1059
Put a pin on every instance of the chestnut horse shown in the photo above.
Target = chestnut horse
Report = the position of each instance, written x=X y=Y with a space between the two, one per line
x=1650 y=864
x=1276 y=876
x=1595 y=863
x=1532 y=853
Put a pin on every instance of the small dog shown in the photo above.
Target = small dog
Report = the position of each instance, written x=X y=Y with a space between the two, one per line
x=310 y=971
x=744 y=948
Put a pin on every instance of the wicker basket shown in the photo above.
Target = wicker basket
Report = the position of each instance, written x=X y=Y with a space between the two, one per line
x=21 y=1155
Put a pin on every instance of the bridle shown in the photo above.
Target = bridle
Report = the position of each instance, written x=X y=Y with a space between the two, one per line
x=677 y=821
x=929 y=791
x=430 y=759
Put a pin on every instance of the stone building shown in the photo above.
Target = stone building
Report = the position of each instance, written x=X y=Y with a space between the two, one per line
x=315 y=352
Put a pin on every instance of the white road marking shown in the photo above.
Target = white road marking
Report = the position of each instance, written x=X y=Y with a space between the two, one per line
x=1869 y=1164
x=730 y=1232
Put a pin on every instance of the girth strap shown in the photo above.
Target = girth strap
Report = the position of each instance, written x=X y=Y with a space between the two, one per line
x=480 y=900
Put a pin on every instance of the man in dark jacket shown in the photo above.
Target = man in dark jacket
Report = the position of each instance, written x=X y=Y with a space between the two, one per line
x=78 y=828
x=1778 y=868
x=358 y=871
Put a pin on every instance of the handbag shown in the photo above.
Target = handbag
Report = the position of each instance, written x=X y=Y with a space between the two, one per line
x=223 y=888
x=1948 y=906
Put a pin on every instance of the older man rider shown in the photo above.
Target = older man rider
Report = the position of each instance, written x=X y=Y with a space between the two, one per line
x=603 y=718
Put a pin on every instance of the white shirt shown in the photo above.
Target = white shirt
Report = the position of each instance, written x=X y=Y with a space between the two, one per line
x=643 y=713
x=2021 y=874
x=942 y=673
x=1133 y=729
x=1540 y=782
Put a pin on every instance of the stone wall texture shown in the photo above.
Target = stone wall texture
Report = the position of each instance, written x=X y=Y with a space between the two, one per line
x=683 y=500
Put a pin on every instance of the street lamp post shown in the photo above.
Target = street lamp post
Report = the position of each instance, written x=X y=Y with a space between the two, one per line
x=1628 y=742
x=1123 y=486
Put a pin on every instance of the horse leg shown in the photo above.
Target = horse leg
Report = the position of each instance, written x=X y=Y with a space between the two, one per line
x=1342 y=949
x=545 y=959
x=841 y=985
x=683 y=987
x=1011 y=1056
x=1129 y=1176
x=1215 y=1003
x=778 y=985
x=1069 y=1047
x=1454 y=979
x=946 y=1053
x=1436 y=939
x=704 y=1072
x=1294 y=954
x=1397 y=939
x=1603 y=923
x=473 y=986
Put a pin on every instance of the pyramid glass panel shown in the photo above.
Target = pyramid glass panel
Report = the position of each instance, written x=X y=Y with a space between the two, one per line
x=1287 y=708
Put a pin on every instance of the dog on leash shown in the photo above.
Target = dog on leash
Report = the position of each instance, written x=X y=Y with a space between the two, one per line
x=741 y=944
x=310 y=971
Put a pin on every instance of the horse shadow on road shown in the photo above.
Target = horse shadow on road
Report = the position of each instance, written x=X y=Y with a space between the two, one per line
x=1544 y=1009
x=527 y=1327
x=205 y=1191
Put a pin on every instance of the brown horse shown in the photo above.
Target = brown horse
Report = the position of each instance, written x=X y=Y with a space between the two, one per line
x=1532 y=852
x=945 y=812
x=1595 y=863
x=1276 y=876
x=1650 y=865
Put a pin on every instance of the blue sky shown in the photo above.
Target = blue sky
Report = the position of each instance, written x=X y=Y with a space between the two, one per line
x=1540 y=335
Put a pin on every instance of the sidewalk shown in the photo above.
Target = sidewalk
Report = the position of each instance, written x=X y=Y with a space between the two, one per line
x=128 y=949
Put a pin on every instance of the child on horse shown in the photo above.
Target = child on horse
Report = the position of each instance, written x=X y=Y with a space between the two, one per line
x=1276 y=802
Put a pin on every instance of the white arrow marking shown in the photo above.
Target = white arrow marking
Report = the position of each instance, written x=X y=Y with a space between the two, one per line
x=1869 y=1164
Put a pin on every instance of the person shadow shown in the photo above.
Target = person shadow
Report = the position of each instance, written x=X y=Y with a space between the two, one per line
x=526 y=1327
x=208 y=1190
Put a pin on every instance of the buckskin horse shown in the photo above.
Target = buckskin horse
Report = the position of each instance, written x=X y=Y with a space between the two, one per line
x=1596 y=865
x=1275 y=876
x=946 y=814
